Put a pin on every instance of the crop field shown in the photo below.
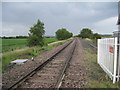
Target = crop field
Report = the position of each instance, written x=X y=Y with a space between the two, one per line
x=12 y=44
x=49 y=40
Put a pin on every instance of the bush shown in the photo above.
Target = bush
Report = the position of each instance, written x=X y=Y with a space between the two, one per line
x=97 y=36
x=62 y=34
x=86 y=33
x=35 y=41
x=36 y=34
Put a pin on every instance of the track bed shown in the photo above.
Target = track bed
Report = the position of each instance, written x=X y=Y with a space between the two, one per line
x=49 y=74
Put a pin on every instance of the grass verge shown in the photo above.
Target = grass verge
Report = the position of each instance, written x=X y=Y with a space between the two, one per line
x=94 y=41
x=96 y=77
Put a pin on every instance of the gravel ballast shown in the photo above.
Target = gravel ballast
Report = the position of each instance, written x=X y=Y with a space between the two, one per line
x=75 y=76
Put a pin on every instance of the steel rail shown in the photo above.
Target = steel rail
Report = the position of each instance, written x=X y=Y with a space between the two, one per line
x=92 y=45
x=32 y=72
x=61 y=76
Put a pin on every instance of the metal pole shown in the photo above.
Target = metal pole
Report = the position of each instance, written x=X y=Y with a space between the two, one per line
x=118 y=36
x=118 y=53
x=115 y=61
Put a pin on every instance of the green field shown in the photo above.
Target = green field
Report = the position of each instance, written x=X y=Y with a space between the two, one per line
x=13 y=44
x=49 y=40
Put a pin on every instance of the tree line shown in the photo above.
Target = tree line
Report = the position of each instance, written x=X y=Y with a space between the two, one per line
x=16 y=37
x=37 y=31
x=22 y=37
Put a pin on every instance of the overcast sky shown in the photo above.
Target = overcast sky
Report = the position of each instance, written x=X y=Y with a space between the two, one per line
x=18 y=17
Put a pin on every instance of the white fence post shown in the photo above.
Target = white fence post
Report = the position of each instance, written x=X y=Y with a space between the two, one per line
x=98 y=50
x=115 y=60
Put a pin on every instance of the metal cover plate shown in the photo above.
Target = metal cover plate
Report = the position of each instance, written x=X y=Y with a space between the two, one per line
x=19 y=61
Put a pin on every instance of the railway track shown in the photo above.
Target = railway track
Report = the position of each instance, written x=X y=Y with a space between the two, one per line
x=50 y=73
x=93 y=46
x=75 y=75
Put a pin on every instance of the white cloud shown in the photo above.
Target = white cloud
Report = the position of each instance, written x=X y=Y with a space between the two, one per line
x=108 y=25
x=7 y=30
x=13 y=30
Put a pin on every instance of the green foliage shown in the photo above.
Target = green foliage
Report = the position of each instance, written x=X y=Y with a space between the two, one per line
x=21 y=36
x=107 y=36
x=62 y=34
x=36 y=34
x=33 y=52
x=96 y=36
x=86 y=33
x=35 y=41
